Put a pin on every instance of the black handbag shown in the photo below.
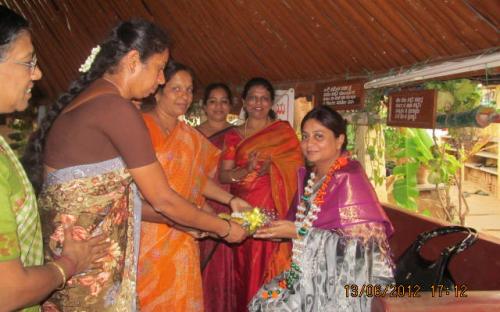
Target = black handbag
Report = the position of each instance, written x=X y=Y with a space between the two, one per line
x=412 y=269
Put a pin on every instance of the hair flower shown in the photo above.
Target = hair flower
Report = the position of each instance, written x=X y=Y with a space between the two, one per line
x=90 y=59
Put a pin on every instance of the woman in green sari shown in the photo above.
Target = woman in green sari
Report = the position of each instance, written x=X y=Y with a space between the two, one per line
x=25 y=280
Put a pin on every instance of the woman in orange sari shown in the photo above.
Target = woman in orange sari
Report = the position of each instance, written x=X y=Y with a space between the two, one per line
x=260 y=161
x=169 y=276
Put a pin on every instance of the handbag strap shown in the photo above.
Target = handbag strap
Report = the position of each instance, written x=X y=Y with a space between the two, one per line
x=472 y=236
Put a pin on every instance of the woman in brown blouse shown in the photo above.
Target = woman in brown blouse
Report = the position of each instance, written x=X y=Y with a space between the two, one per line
x=96 y=153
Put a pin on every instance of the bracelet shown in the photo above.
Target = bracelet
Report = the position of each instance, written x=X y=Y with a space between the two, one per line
x=63 y=274
x=228 y=230
x=70 y=263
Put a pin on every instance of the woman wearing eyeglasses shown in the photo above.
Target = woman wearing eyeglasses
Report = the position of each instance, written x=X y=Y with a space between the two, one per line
x=260 y=161
x=25 y=280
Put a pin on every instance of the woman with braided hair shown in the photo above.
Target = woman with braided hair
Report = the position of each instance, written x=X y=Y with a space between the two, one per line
x=92 y=152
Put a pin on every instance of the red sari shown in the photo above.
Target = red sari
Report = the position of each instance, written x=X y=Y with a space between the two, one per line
x=257 y=261
x=217 y=256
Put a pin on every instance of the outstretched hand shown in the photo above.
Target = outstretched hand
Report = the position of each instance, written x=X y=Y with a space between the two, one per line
x=277 y=229
x=236 y=234
x=238 y=204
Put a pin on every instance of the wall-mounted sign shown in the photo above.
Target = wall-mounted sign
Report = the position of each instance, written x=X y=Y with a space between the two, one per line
x=413 y=109
x=341 y=95
x=284 y=101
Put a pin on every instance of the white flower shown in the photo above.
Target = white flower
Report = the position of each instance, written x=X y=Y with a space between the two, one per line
x=90 y=59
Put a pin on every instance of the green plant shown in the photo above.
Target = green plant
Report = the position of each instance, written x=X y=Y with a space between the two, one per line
x=411 y=151
x=416 y=149
x=464 y=95
x=461 y=95
x=370 y=116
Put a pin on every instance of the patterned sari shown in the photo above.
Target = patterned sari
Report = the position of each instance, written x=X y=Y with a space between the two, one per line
x=347 y=246
x=257 y=261
x=217 y=256
x=169 y=264
x=94 y=199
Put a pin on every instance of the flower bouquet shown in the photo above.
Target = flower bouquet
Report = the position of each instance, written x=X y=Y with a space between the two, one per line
x=251 y=220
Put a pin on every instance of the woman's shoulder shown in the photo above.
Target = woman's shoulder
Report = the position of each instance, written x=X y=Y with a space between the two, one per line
x=235 y=133
x=284 y=123
x=193 y=131
x=352 y=169
x=352 y=166
x=115 y=107
x=353 y=173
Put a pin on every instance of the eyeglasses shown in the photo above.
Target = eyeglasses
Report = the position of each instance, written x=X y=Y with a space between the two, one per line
x=31 y=64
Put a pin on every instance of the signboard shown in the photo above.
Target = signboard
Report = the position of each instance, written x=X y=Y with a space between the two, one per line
x=413 y=109
x=284 y=101
x=341 y=95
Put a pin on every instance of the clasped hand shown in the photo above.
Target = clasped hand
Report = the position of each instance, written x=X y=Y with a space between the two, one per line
x=255 y=163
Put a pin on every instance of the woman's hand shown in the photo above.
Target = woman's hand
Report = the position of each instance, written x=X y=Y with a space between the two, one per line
x=263 y=168
x=252 y=161
x=197 y=234
x=238 y=204
x=277 y=229
x=258 y=163
x=236 y=233
x=84 y=253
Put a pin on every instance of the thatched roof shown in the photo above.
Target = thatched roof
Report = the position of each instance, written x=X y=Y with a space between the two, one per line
x=285 y=41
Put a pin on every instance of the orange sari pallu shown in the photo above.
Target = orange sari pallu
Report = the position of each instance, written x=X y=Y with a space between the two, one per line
x=257 y=261
x=169 y=277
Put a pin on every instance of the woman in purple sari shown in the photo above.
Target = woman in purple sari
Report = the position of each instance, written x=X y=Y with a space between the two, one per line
x=338 y=228
x=217 y=257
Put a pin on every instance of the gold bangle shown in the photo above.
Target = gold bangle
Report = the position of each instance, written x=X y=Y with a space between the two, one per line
x=63 y=274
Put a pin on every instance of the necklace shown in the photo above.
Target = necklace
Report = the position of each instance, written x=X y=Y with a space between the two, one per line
x=245 y=127
x=305 y=217
x=159 y=122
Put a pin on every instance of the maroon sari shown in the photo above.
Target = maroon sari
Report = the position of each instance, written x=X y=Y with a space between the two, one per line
x=257 y=261
x=216 y=256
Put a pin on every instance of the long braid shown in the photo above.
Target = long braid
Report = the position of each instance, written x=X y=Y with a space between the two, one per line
x=130 y=35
